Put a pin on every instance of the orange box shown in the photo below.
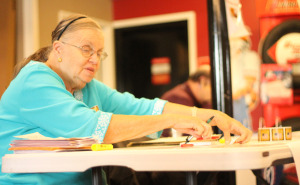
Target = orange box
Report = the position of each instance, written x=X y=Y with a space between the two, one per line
x=288 y=133
x=277 y=134
x=264 y=134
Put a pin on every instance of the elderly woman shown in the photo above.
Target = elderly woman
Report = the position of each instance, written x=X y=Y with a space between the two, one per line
x=54 y=91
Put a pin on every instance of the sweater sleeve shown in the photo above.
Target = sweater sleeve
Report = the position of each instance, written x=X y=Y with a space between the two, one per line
x=126 y=103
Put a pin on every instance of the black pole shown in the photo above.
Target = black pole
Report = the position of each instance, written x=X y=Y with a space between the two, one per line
x=191 y=178
x=97 y=175
x=220 y=68
x=219 y=56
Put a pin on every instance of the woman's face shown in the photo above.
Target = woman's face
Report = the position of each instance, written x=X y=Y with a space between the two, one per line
x=76 y=67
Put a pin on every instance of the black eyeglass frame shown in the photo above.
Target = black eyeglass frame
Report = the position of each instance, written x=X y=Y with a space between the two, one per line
x=90 y=53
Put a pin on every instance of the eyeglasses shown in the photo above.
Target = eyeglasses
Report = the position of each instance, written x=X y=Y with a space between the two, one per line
x=87 y=51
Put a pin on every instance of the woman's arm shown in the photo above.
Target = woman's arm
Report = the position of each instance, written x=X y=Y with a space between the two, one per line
x=178 y=117
x=138 y=126
x=125 y=127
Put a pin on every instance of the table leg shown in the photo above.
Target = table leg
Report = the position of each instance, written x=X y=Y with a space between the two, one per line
x=97 y=176
x=191 y=178
x=259 y=177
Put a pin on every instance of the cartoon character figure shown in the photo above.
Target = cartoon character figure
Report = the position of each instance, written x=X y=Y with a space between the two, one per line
x=245 y=65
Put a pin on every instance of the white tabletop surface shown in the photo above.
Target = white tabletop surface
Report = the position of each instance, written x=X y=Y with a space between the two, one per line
x=216 y=157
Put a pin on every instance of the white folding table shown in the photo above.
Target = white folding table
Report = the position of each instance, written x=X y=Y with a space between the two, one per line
x=253 y=155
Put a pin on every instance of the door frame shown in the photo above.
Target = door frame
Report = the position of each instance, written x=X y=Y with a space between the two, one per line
x=27 y=33
x=189 y=16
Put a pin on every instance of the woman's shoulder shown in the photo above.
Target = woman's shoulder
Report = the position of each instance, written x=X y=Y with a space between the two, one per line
x=35 y=65
x=38 y=70
x=36 y=74
x=32 y=76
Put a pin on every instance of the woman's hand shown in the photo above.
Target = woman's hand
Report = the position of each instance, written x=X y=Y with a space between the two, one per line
x=231 y=126
x=183 y=121
x=192 y=126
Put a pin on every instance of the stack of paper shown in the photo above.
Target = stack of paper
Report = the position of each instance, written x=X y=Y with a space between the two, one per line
x=36 y=143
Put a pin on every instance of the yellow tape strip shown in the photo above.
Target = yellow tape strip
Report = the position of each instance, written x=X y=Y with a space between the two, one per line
x=100 y=147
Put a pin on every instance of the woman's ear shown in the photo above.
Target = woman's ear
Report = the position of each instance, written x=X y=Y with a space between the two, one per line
x=57 y=47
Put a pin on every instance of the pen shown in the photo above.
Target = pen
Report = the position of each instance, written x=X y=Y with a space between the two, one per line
x=189 y=138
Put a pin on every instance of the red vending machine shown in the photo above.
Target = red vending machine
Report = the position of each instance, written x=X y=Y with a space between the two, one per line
x=279 y=47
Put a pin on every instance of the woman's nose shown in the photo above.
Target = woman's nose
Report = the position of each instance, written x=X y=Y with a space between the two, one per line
x=94 y=58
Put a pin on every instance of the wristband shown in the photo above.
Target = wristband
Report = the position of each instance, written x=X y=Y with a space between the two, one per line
x=194 y=111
